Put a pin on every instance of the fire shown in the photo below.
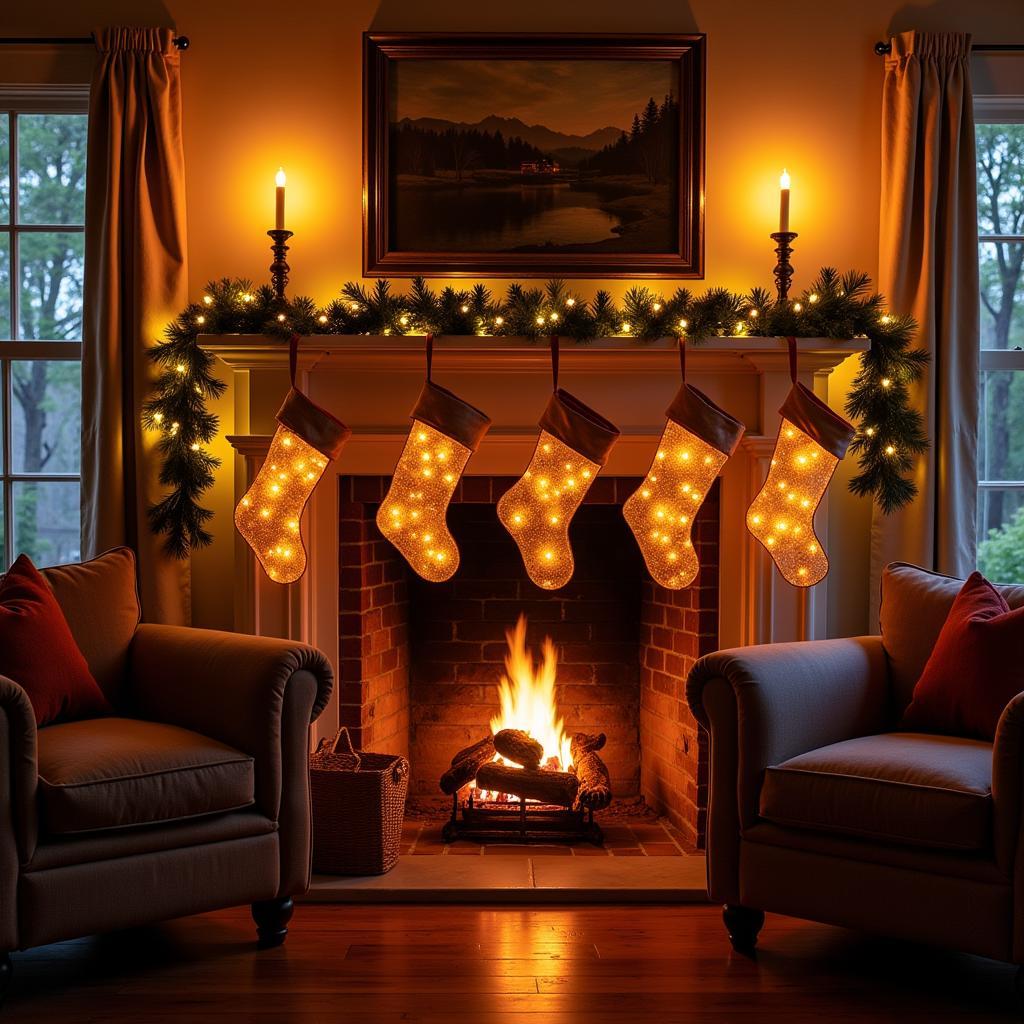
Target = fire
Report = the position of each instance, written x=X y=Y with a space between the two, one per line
x=527 y=696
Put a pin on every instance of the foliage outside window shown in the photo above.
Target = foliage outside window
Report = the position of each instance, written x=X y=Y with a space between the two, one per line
x=42 y=214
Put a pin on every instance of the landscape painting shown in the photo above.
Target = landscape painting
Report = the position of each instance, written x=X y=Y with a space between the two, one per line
x=555 y=160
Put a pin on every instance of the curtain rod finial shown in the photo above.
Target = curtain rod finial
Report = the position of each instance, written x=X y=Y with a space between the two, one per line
x=883 y=49
x=182 y=42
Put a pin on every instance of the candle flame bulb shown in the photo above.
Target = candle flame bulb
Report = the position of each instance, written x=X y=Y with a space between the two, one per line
x=279 y=178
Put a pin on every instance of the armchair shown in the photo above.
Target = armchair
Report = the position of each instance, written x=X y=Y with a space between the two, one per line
x=821 y=808
x=194 y=797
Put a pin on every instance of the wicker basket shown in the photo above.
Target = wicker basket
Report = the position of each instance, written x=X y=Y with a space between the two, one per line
x=358 y=806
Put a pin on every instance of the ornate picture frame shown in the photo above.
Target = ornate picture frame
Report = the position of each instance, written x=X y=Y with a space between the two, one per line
x=533 y=155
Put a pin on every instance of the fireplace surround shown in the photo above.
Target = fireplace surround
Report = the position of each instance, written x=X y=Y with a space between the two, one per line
x=372 y=384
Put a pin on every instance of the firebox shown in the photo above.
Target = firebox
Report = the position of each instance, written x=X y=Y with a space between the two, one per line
x=422 y=665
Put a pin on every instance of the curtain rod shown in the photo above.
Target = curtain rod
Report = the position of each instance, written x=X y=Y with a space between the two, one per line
x=181 y=42
x=884 y=49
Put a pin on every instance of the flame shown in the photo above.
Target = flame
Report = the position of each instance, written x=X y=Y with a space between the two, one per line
x=527 y=697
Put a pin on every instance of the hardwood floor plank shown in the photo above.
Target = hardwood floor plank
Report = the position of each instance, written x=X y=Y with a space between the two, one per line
x=508 y=965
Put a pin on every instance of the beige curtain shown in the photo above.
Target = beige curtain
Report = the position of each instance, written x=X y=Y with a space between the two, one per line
x=135 y=281
x=928 y=266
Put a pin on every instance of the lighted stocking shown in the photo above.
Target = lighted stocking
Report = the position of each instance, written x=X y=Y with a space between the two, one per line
x=698 y=440
x=573 y=446
x=270 y=512
x=812 y=439
x=445 y=432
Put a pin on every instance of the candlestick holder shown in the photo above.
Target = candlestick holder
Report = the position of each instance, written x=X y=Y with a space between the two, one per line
x=783 y=268
x=279 y=268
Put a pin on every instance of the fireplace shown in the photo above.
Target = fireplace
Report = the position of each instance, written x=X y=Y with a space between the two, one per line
x=358 y=603
x=420 y=663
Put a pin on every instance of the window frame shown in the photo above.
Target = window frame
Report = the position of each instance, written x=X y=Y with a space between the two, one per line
x=15 y=101
x=998 y=110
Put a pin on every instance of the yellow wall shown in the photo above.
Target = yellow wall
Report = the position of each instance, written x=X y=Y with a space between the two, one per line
x=276 y=83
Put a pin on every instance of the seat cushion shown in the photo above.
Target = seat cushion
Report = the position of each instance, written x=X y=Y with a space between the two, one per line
x=915 y=605
x=112 y=773
x=901 y=787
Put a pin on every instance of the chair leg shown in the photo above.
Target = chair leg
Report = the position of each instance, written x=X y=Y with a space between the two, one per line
x=743 y=925
x=272 y=917
x=6 y=970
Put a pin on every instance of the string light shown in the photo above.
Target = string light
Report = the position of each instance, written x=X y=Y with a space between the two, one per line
x=280 y=318
x=208 y=300
x=886 y=382
x=797 y=307
x=246 y=297
x=322 y=318
x=570 y=301
x=626 y=327
x=812 y=298
x=683 y=324
x=404 y=321
x=200 y=320
x=463 y=308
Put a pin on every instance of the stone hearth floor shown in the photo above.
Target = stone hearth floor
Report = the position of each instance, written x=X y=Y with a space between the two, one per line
x=643 y=860
x=622 y=839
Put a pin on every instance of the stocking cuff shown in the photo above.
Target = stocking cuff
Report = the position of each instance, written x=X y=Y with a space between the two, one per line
x=316 y=426
x=578 y=426
x=805 y=410
x=445 y=411
x=695 y=412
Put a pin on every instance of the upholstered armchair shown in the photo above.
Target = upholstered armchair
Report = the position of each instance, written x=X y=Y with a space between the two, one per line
x=821 y=808
x=194 y=797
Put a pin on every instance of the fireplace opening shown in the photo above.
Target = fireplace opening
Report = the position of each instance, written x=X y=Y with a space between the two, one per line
x=422 y=664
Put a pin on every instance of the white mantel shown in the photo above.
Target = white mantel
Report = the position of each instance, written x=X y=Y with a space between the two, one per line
x=371 y=383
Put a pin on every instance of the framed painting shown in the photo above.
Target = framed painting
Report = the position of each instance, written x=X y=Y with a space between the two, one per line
x=533 y=156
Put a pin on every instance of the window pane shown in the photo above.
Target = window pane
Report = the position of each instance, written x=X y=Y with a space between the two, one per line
x=1001 y=534
x=1001 y=430
x=1002 y=294
x=5 y=287
x=1000 y=155
x=46 y=416
x=5 y=168
x=51 y=168
x=50 y=266
x=46 y=522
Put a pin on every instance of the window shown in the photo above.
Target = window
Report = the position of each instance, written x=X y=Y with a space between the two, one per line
x=42 y=241
x=1000 y=148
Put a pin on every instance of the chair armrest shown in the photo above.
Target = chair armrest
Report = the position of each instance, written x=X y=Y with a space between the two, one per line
x=18 y=783
x=1008 y=817
x=241 y=690
x=763 y=705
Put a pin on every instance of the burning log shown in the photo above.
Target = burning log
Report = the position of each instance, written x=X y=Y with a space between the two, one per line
x=466 y=764
x=519 y=746
x=584 y=742
x=487 y=743
x=558 y=788
x=595 y=792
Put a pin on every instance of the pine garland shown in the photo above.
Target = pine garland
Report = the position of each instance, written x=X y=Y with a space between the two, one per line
x=890 y=436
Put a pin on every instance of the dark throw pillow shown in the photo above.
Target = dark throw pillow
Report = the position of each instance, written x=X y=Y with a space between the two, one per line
x=976 y=667
x=39 y=653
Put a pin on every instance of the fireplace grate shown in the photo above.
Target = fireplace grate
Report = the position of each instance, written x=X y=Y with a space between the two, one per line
x=519 y=821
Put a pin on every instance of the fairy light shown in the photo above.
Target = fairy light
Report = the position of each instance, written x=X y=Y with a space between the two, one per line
x=662 y=510
x=322 y=318
x=280 y=318
x=886 y=382
x=812 y=298
x=274 y=502
x=540 y=321
x=404 y=321
x=499 y=320
x=657 y=307
x=797 y=307
x=246 y=297
x=781 y=517
x=463 y=308
x=683 y=324
x=538 y=508
x=626 y=326
x=208 y=300
x=413 y=515
x=200 y=320
x=570 y=301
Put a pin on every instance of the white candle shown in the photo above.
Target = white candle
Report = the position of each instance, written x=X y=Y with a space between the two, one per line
x=279 y=179
x=784 y=201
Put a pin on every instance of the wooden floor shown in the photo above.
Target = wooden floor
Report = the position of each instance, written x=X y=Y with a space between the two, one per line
x=474 y=965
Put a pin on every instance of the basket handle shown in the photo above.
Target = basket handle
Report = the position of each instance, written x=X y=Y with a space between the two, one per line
x=342 y=742
x=400 y=769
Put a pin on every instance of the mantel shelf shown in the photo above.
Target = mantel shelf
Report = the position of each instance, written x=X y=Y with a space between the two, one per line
x=387 y=353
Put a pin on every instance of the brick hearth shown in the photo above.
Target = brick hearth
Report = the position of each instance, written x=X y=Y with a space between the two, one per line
x=420 y=663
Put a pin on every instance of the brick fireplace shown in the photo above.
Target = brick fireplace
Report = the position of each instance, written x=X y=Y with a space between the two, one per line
x=392 y=695
x=420 y=662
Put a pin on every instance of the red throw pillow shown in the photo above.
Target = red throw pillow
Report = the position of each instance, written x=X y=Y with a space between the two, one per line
x=976 y=667
x=39 y=653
